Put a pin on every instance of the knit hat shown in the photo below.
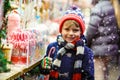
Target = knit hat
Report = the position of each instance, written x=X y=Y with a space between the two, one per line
x=73 y=13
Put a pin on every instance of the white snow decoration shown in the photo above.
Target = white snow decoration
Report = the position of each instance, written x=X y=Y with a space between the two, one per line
x=53 y=28
x=28 y=14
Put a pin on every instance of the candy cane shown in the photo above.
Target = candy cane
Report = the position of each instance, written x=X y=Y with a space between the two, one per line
x=52 y=50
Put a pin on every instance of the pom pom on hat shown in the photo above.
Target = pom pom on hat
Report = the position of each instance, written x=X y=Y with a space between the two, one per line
x=73 y=13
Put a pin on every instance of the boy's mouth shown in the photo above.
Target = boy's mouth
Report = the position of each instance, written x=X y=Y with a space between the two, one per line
x=70 y=39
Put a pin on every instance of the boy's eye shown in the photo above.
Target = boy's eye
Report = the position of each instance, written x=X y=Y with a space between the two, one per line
x=67 y=29
x=75 y=30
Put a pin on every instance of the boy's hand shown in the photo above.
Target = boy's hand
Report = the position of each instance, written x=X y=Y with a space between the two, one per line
x=46 y=63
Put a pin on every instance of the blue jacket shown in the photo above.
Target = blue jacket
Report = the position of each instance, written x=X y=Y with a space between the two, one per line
x=68 y=61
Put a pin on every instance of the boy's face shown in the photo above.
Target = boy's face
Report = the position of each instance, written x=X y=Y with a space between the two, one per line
x=70 y=31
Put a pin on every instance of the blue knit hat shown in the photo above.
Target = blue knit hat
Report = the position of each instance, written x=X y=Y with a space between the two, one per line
x=74 y=13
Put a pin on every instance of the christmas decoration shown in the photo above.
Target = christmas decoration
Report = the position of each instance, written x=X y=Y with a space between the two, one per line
x=3 y=60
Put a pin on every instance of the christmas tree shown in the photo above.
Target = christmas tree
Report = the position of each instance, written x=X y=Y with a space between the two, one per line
x=6 y=7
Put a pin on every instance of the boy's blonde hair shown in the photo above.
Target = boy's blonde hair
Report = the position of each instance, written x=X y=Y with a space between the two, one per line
x=71 y=23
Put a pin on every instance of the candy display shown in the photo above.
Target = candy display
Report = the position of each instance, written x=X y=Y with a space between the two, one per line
x=25 y=46
x=13 y=21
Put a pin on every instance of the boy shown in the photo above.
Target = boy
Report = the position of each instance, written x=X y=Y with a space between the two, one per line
x=68 y=58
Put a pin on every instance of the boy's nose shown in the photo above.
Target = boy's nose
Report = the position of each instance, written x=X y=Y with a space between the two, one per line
x=71 y=32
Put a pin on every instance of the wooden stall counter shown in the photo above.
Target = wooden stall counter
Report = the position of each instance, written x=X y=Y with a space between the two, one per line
x=18 y=70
